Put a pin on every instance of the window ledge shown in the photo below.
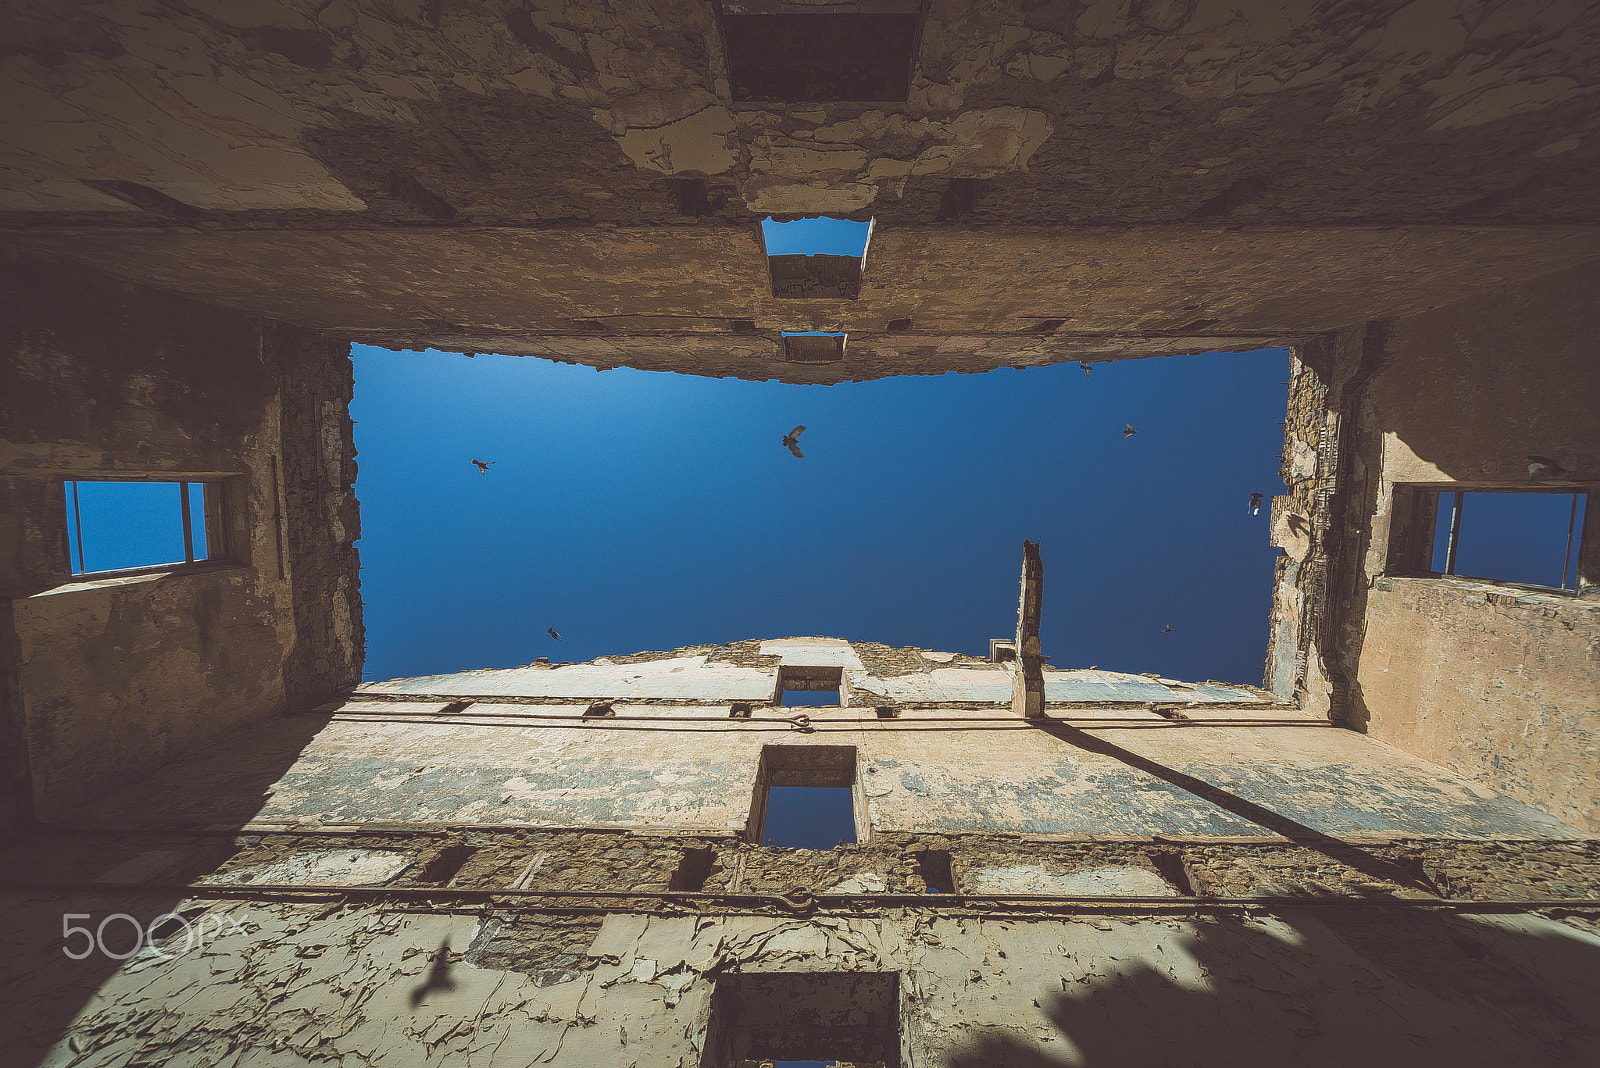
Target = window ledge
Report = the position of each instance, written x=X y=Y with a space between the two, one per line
x=133 y=576
x=1507 y=593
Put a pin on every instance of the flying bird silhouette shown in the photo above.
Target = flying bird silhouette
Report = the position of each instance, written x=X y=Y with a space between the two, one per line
x=1168 y=630
x=1255 y=504
x=552 y=632
x=438 y=976
x=1542 y=467
x=1128 y=433
x=792 y=440
x=483 y=466
x=1086 y=368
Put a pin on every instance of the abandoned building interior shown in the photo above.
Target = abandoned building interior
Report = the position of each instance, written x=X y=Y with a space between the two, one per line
x=1383 y=852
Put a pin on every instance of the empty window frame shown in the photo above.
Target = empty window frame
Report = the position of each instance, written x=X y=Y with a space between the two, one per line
x=804 y=1018
x=122 y=525
x=807 y=797
x=1527 y=537
x=810 y=687
x=813 y=346
x=792 y=52
x=816 y=257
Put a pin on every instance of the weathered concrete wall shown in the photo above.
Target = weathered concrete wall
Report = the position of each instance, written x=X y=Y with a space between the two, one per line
x=567 y=111
x=696 y=300
x=106 y=379
x=320 y=515
x=1500 y=688
x=1495 y=682
x=369 y=984
x=404 y=878
x=1104 y=180
x=689 y=768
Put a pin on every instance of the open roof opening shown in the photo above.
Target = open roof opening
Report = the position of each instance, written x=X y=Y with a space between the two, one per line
x=792 y=51
x=710 y=530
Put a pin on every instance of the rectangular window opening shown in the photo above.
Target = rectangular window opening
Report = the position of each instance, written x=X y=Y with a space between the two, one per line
x=125 y=525
x=790 y=52
x=933 y=865
x=1527 y=537
x=805 y=797
x=443 y=867
x=804 y=1018
x=810 y=687
x=816 y=257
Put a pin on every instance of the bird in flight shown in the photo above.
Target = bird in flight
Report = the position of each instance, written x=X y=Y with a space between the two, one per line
x=1168 y=630
x=1255 y=504
x=1128 y=433
x=792 y=440
x=1086 y=368
x=483 y=466
x=552 y=632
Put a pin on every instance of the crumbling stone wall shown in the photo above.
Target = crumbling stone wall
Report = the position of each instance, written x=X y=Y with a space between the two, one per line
x=107 y=379
x=321 y=515
x=1497 y=682
x=1094 y=180
x=440 y=968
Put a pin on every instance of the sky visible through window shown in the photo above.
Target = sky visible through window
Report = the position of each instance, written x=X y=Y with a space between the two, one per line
x=131 y=524
x=809 y=817
x=637 y=510
x=815 y=237
x=1512 y=537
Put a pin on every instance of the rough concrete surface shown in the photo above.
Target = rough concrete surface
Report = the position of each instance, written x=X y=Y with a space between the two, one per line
x=202 y=204
x=109 y=380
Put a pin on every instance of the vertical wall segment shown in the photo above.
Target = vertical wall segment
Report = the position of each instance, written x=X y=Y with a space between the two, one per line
x=106 y=676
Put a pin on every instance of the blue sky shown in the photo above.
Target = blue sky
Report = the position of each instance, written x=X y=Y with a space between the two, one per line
x=810 y=237
x=636 y=510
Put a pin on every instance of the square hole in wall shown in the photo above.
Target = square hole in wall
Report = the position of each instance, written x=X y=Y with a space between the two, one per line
x=846 y=1017
x=805 y=797
x=800 y=685
x=816 y=257
x=933 y=865
x=1528 y=537
x=793 y=52
x=694 y=868
x=122 y=525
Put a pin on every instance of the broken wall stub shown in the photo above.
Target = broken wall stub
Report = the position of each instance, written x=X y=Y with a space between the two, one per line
x=109 y=380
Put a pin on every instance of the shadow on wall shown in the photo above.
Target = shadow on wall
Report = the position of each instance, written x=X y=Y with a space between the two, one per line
x=1466 y=394
x=60 y=987
x=1375 y=990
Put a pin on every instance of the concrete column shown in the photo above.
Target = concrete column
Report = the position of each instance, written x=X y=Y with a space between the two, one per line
x=1027 y=687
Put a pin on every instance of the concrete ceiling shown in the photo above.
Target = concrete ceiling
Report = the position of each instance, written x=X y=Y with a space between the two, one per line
x=1156 y=174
